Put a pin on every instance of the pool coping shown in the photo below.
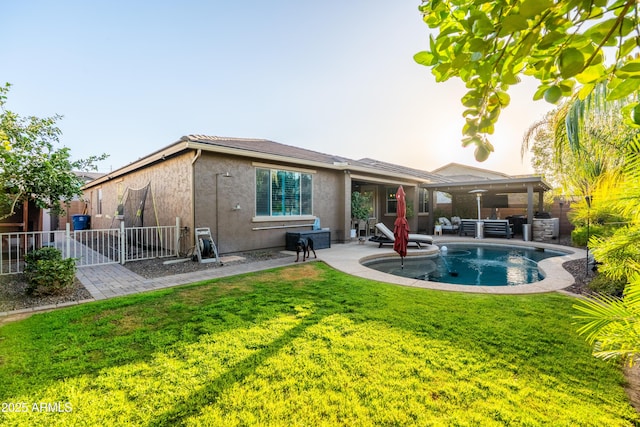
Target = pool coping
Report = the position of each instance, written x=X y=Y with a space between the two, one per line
x=348 y=257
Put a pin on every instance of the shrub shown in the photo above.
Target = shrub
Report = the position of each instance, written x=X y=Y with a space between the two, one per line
x=47 y=273
x=579 y=234
x=602 y=284
x=360 y=206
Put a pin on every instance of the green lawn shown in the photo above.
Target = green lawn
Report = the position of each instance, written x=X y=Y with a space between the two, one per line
x=307 y=345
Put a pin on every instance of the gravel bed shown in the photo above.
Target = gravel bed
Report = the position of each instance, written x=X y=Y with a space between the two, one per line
x=13 y=295
x=150 y=269
x=581 y=275
x=578 y=269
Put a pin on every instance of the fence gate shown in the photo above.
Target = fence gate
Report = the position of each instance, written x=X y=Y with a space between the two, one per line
x=91 y=247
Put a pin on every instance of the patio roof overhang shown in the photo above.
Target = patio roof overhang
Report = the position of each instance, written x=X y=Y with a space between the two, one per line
x=510 y=185
x=523 y=185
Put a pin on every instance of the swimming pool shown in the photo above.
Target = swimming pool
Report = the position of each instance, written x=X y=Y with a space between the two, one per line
x=471 y=264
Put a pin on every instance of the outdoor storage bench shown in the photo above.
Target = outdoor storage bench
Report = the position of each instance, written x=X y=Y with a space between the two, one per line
x=321 y=238
x=497 y=227
x=467 y=226
x=490 y=227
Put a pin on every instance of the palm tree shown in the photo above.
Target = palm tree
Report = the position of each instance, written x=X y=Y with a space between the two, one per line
x=595 y=152
x=591 y=129
x=580 y=143
x=612 y=324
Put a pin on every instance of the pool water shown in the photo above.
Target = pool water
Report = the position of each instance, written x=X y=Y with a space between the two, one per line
x=471 y=264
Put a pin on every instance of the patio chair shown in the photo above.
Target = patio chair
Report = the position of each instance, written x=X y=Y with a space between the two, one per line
x=449 y=226
x=371 y=226
x=387 y=237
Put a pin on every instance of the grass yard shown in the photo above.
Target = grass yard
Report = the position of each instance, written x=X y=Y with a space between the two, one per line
x=307 y=345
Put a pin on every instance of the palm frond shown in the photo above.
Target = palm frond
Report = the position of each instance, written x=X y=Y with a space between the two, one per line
x=632 y=292
x=619 y=254
x=628 y=355
x=633 y=157
x=573 y=123
x=612 y=324
x=530 y=134
x=598 y=313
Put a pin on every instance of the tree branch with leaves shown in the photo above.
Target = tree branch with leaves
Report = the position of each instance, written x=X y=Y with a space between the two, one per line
x=489 y=44
x=32 y=168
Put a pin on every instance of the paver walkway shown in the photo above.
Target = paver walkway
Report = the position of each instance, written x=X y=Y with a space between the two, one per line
x=112 y=280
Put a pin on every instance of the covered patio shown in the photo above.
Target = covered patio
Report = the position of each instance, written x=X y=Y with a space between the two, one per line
x=518 y=199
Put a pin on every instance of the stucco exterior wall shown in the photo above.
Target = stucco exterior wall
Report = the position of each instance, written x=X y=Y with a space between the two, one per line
x=236 y=230
x=217 y=189
x=169 y=196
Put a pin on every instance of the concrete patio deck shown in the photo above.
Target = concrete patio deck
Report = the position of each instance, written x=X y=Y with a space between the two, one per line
x=346 y=258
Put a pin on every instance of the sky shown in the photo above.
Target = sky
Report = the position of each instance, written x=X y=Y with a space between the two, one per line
x=131 y=77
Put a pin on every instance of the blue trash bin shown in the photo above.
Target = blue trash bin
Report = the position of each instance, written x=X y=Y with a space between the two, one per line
x=81 y=222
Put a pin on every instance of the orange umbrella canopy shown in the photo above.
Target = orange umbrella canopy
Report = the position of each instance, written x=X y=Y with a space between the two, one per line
x=401 y=226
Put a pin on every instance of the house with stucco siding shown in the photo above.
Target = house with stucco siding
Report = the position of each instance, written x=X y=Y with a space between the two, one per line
x=250 y=192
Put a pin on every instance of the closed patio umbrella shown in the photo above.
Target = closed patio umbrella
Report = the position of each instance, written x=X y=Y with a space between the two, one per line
x=401 y=226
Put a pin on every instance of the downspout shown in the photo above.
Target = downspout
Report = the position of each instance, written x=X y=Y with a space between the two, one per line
x=346 y=219
x=193 y=191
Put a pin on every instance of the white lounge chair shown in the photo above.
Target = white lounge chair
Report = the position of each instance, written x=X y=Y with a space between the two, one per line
x=388 y=237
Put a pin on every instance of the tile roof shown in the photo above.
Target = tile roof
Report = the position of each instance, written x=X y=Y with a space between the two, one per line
x=264 y=146
x=460 y=172
x=88 y=176
x=266 y=149
x=390 y=167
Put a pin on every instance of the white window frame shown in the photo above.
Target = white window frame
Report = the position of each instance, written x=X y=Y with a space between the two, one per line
x=304 y=199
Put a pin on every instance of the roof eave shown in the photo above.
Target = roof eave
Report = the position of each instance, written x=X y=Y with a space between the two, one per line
x=504 y=184
x=161 y=154
x=258 y=155
x=342 y=166
x=185 y=144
